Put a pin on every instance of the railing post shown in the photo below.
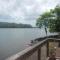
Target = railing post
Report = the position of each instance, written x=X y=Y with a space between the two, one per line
x=47 y=48
x=59 y=44
x=39 y=53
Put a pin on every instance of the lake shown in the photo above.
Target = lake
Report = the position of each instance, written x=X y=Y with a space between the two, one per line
x=13 y=40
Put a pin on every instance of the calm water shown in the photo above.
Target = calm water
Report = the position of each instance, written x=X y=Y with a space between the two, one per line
x=13 y=40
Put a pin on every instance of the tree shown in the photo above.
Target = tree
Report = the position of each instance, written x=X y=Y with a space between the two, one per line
x=43 y=20
x=50 y=19
x=14 y=25
x=54 y=22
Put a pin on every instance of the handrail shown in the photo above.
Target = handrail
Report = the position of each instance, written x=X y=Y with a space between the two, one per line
x=22 y=53
x=30 y=49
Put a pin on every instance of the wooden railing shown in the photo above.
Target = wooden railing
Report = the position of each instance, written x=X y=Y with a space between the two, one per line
x=39 y=51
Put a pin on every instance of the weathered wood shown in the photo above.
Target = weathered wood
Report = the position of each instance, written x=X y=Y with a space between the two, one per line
x=47 y=46
x=59 y=44
x=29 y=51
x=39 y=53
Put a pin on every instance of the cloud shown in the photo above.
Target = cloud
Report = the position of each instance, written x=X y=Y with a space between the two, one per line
x=24 y=11
x=6 y=18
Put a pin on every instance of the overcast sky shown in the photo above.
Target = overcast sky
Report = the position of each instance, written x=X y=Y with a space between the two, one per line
x=24 y=11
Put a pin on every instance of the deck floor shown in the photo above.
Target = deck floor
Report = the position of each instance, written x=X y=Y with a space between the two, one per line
x=58 y=52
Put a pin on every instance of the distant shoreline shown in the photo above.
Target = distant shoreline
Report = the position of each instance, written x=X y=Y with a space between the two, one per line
x=14 y=25
x=18 y=27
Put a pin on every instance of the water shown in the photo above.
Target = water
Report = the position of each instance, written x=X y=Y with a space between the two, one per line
x=13 y=40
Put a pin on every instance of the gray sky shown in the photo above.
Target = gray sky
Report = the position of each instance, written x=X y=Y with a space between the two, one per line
x=24 y=11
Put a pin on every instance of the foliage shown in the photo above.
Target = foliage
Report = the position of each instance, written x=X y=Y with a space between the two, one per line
x=14 y=25
x=50 y=19
x=43 y=19
x=54 y=24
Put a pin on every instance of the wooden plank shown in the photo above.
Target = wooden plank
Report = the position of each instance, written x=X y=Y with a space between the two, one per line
x=29 y=51
x=39 y=53
x=47 y=46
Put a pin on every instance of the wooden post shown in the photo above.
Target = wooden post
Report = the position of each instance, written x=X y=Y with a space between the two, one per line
x=39 y=53
x=59 y=44
x=47 y=48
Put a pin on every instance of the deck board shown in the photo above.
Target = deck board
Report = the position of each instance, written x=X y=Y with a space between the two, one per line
x=58 y=52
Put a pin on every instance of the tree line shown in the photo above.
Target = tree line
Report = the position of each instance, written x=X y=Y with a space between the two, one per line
x=14 y=25
x=50 y=19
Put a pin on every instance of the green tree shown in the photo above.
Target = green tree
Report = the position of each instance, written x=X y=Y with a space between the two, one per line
x=55 y=23
x=50 y=19
x=43 y=20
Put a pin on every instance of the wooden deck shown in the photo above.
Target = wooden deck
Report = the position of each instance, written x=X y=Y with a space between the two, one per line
x=58 y=52
x=39 y=51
